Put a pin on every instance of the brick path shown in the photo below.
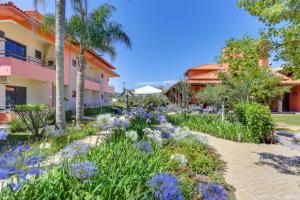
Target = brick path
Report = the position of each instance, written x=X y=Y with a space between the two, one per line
x=260 y=172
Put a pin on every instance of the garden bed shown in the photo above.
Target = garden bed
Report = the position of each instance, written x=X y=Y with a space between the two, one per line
x=131 y=164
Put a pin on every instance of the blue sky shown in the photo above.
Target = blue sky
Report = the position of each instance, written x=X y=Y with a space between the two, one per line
x=169 y=36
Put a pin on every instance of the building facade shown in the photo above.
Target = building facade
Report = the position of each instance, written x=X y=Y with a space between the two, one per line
x=198 y=77
x=27 y=65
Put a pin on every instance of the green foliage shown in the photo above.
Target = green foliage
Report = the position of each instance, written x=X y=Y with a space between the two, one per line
x=94 y=112
x=35 y=117
x=124 y=172
x=247 y=80
x=257 y=118
x=16 y=125
x=212 y=95
x=282 y=28
x=185 y=92
x=153 y=101
x=213 y=125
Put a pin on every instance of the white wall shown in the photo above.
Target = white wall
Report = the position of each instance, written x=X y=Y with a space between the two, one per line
x=37 y=92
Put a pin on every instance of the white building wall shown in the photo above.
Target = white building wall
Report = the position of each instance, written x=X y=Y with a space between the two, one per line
x=37 y=92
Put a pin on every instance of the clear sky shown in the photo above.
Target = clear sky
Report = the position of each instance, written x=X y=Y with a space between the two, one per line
x=169 y=36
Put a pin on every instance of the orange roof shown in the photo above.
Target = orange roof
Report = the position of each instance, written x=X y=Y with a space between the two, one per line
x=203 y=82
x=207 y=67
x=214 y=75
x=210 y=66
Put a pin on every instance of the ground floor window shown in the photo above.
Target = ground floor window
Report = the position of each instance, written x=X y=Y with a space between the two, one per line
x=15 y=95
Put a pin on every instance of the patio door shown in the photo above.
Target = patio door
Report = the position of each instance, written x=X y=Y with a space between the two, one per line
x=15 y=95
x=286 y=102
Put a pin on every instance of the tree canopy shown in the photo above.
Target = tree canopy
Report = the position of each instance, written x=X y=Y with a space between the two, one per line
x=282 y=28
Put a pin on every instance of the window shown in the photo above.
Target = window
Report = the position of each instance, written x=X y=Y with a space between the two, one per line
x=15 y=95
x=101 y=96
x=74 y=63
x=102 y=76
x=15 y=50
x=50 y=63
x=38 y=54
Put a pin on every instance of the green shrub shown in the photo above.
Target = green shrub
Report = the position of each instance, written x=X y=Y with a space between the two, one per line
x=212 y=124
x=94 y=112
x=16 y=125
x=257 y=118
x=153 y=101
x=35 y=117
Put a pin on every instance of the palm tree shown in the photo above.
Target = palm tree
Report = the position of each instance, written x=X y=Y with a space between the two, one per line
x=60 y=9
x=59 y=19
x=126 y=94
x=93 y=31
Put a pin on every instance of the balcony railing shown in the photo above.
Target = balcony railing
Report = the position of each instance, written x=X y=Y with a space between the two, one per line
x=92 y=79
x=49 y=63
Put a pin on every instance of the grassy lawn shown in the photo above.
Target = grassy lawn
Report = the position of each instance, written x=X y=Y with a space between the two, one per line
x=291 y=119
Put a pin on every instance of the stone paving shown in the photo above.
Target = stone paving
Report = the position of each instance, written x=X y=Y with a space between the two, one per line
x=260 y=171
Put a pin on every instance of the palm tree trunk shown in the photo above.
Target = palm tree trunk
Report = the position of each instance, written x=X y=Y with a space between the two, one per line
x=80 y=87
x=60 y=6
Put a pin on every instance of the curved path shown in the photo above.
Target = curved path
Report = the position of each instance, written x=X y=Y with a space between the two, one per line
x=260 y=171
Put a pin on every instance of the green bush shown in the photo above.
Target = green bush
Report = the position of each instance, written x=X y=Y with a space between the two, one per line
x=257 y=118
x=35 y=117
x=153 y=101
x=213 y=125
x=16 y=125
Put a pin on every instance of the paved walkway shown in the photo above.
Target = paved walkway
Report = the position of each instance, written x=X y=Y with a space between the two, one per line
x=260 y=172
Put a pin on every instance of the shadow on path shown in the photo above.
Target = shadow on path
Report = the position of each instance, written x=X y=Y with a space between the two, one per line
x=283 y=164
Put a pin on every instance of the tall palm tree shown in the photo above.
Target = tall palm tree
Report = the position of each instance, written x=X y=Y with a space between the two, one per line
x=60 y=15
x=93 y=31
x=59 y=19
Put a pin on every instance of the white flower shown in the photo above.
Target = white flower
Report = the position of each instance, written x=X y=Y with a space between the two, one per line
x=156 y=136
x=105 y=120
x=180 y=159
x=45 y=145
x=147 y=131
x=132 y=135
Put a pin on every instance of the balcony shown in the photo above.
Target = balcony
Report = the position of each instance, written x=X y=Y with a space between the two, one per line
x=27 y=67
x=91 y=83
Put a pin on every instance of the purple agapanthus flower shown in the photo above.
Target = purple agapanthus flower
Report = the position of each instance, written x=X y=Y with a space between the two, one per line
x=144 y=146
x=3 y=135
x=166 y=135
x=32 y=160
x=119 y=123
x=165 y=187
x=4 y=173
x=83 y=170
x=210 y=191
x=74 y=149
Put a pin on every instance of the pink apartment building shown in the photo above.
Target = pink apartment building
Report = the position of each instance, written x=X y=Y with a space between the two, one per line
x=27 y=65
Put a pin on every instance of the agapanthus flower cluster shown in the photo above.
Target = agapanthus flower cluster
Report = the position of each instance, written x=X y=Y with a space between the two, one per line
x=132 y=135
x=56 y=133
x=3 y=134
x=180 y=159
x=154 y=135
x=83 y=170
x=161 y=118
x=104 y=121
x=119 y=123
x=144 y=146
x=210 y=191
x=20 y=161
x=165 y=187
x=74 y=149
